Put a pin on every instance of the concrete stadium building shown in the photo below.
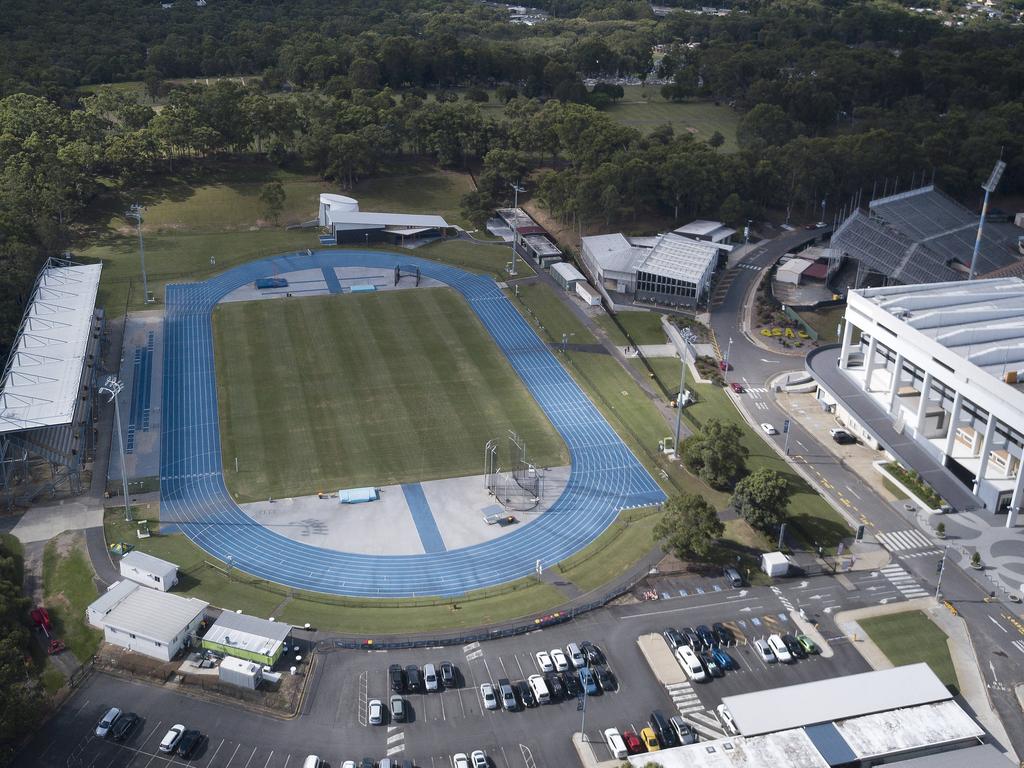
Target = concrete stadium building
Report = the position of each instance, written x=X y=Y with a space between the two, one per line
x=934 y=374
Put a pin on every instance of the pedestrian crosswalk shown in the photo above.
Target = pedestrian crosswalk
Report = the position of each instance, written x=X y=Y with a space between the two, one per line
x=756 y=390
x=707 y=725
x=684 y=697
x=903 y=581
x=921 y=553
x=899 y=541
x=1019 y=645
x=753 y=267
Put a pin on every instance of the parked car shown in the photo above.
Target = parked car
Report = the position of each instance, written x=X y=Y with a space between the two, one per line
x=593 y=654
x=723 y=634
x=725 y=366
x=430 y=680
x=793 y=646
x=448 y=675
x=605 y=678
x=375 y=712
x=346 y=764
x=107 y=722
x=692 y=638
x=768 y=429
x=487 y=694
x=540 y=689
x=554 y=683
x=779 y=648
x=726 y=717
x=691 y=665
x=544 y=662
x=588 y=681
x=734 y=576
x=707 y=637
x=385 y=762
x=526 y=694
x=397 y=676
x=571 y=683
x=684 y=731
x=460 y=760
x=808 y=645
x=841 y=436
x=633 y=743
x=666 y=736
x=367 y=762
x=398 y=711
x=711 y=664
x=479 y=758
x=508 y=695
x=615 y=744
x=170 y=740
x=125 y=725
x=413 y=679
x=673 y=638
x=559 y=660
x=764 y=651
x=312 y=761
x=736 y=387
x=189 y=743
x=576 y=657
x=723 y=659
x=650 y=739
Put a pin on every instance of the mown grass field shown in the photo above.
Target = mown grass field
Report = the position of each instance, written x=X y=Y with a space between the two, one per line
x=911 y=637
x=69 y=589
x=644 y=327
x=644 y=108
x=340 y=391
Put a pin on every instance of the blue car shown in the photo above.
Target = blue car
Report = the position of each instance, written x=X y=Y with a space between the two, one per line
x=724 y=660
x=588 y=681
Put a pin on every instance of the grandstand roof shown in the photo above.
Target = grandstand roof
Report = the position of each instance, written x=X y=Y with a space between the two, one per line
x=680 y=258
x=343 y=219
x=921 y=236
x=44 y=372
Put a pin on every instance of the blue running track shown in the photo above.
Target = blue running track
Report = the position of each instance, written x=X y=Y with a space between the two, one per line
x=606 y=477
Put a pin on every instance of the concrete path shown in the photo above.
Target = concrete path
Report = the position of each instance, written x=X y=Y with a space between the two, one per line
x=43 y=523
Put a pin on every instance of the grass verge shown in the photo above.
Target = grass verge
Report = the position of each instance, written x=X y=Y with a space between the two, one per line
x=69 y=589
x=645 y=109
x=487 y=259
x=825 y=322
x=911 y=637
x=614 y=552
x=644 y=327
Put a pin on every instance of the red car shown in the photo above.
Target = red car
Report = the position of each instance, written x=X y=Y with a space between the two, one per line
x=736 y=387
x=633 y=745
x=724 y=365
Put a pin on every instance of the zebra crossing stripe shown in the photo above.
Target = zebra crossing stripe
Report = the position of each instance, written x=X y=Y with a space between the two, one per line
x=1019 y=645
x=897 y=541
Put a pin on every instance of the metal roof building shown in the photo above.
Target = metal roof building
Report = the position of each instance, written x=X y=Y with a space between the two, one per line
x=247 y=637
x=148 y=570
x=348 y=224
x=701 y=229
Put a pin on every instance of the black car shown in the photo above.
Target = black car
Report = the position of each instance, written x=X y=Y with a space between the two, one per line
x=707 y=637
x=724 y=634
x=189 y=743
x=573 y=686
x=692 y=638
x=526 y=694
x=794 y=647
x=605 y=678
x=554 y=681
x=673 y=638
x=591 y=653
x=448 y=679
x=666 y=735
x=843 y=438
x=367 y=762
x=124 y=726
x=397 y=676
x=413 y=678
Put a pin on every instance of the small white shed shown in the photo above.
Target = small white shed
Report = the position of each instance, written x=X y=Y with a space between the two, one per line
x=149 y=571
x=244 y=674
x=590 y=297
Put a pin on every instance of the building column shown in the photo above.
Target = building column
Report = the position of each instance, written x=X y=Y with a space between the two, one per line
x=894 y=382
x=1016 y=500
x=986 y=445
x=922 y=407
x=844 y=355
x=954 y=419
x=869 y=363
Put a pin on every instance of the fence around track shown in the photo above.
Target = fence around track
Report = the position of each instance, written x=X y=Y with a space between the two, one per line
x=606 y=476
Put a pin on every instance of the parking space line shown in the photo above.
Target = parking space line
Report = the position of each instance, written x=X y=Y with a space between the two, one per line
x=232 y=758
x=287 y=759
x=268 y=759
x=250 y=757
x=215 y=753
x=522 y=674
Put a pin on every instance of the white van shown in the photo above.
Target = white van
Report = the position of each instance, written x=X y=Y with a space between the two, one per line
x=779 y=647
x=312 y=761
x=576 y=656
x=691 y=664
x=429 y=677
x=540 y=689
x=615 y=744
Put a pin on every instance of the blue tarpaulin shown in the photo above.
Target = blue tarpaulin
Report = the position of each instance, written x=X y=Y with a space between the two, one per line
x=272 y=282
x=357 y=495
x=364 y=288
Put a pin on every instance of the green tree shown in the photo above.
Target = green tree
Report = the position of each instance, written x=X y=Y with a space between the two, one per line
x=272 y=199
x=689 y=527
x=609 y=202
x=716 y=140
x=716 y=453
x=761 y=498
x=364 y=74
x=765 y=125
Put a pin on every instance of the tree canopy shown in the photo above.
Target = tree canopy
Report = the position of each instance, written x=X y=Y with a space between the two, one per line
x=716 y=454
x=761 y=499
x=689 y=527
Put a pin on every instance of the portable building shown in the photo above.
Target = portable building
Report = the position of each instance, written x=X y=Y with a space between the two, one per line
x=247 y=637
x=776 y=564
x=590 y=297
x=149 y=571
x=566 y=275
x=244 y=674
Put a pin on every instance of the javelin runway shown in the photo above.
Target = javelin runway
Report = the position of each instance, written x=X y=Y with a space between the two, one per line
x=606 y=477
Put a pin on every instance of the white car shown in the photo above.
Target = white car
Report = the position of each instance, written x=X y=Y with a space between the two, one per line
x=615 y=744
x=460 y=760
x=691 y=664
x=103 y=726
x=544 y=662
x=375 y=710
x=479 y=758
x=349 y=764
x=765 y=651
x=487 y=694
x=779 y=648
x=558 y=657
x=171 y=738
x=726 y=717
x=768 y=429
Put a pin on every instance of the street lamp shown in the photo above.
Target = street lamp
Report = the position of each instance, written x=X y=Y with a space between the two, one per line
x=515 y=225
x=113 y=388
x=679 y=397
x=728 y=352
x=135 y=213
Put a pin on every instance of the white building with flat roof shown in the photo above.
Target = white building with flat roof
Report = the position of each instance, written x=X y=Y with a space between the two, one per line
x=148 y=570
x=945 y=362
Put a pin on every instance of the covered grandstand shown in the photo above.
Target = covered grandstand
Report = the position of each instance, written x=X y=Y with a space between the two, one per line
x=918 y=236
x=48 y=385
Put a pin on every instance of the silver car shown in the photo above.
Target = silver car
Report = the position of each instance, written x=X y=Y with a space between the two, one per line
x=375 y=712
x=487 y=694
x=103 y=726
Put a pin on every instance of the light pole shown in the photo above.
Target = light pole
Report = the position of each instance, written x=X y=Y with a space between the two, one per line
x=989 y=187
x=679 y=397
x=515 y=225
x=728 y=352
x=135 y=212
x=942 y=567
x=565 y=341
x=113 y=388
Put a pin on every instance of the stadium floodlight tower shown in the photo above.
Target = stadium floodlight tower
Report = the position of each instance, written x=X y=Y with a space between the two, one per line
x=135 y=214
x=989 y=187
x=515 y=225
x=113 y=388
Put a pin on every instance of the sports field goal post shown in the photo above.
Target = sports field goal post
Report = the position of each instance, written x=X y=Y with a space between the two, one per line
x=407 y=270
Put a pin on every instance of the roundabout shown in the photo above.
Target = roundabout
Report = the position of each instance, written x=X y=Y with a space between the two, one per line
x=605 y=476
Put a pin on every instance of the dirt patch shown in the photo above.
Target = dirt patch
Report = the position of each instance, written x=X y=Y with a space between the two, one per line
x=68 y=541
x=565 y=235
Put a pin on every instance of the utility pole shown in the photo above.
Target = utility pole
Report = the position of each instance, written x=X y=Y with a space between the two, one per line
x=113 y=388
x=135 y=212
x=515 y=226
x=679 y=397
x=989 y=187
x=942 y=567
